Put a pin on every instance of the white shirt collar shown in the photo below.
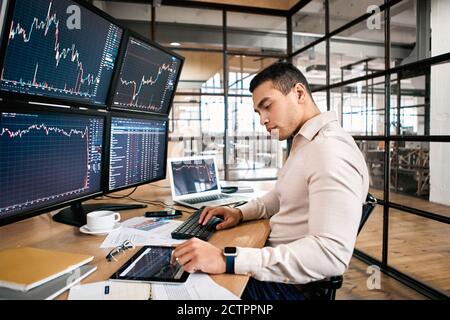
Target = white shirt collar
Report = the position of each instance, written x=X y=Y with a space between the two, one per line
x=311 y=127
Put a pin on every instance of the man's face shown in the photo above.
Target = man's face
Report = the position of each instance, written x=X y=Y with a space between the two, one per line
x=277 y=111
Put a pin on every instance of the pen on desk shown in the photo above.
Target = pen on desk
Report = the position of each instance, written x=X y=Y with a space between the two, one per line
x=172 y=260
x=238 y=204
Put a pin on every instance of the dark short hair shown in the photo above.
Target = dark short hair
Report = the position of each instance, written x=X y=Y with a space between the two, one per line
x=283 y=75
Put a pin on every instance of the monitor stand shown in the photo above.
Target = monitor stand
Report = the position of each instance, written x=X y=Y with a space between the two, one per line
x=75 y=215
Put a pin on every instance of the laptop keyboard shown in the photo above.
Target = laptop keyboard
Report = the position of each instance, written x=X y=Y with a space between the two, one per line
x=191 y=228
x=205 y=198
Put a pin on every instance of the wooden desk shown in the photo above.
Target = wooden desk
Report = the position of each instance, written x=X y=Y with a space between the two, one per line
x=42 y=232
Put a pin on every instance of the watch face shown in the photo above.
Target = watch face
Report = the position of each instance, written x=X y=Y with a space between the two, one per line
x=230 y=250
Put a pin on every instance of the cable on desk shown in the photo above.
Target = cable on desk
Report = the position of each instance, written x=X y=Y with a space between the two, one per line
x=158 y=203
x=156 y=186
x=121 y=197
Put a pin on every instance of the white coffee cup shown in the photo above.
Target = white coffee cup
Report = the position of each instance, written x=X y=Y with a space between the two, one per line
x=102 y=220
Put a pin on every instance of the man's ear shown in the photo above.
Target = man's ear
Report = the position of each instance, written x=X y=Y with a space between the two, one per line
x=301 y=92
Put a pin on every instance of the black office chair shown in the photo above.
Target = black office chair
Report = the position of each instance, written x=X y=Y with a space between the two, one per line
x=326 y=289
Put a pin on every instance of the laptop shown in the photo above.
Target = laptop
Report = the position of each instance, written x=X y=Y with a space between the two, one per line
x=195 y=183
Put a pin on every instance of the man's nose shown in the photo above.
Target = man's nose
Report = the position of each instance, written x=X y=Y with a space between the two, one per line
x=263 y=120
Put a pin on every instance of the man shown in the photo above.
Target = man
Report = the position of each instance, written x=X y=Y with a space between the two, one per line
x=315 y=207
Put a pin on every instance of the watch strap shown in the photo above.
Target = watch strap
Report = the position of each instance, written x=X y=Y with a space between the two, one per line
x=230 y=264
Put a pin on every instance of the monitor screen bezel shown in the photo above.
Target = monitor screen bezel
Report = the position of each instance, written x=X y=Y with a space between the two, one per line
x=108 y=148
x=23 y=108
x=125 y=41
x=3 y=13
x=66 y=101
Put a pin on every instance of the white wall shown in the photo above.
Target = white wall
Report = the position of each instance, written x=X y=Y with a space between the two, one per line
x=440 y=107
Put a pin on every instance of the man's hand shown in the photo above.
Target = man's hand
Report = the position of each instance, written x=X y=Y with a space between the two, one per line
x=231 y=216
x=197 y=255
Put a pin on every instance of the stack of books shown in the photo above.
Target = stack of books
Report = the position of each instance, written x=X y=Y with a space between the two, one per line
x=37 y=274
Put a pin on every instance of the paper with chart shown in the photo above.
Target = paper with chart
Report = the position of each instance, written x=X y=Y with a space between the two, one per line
x=143 y=231
x=199 y=286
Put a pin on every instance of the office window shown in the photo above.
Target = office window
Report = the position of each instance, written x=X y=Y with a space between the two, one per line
x=186 y=116
x=360 y=106
x=344 y=11
x=404 y=33
x=373 y=152
x=256 y=33
x=308 y=24
x=312 y=63
x=419 y=99
x=190 y=28
x=419 y=29
x=136 y=16
x=409 y=105
x=251 y=154
x=320 y=99
x=356 y=52
x=202 y=72
x=419 y=170
x=197 y=127
x=410 y=169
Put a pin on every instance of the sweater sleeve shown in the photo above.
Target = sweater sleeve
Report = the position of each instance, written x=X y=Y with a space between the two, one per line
x=261 y=208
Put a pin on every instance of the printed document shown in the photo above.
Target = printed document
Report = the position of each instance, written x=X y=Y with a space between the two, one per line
x=143 y=231
x=199 y=286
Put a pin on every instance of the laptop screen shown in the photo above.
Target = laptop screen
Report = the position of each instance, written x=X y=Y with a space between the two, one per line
x=194 y=176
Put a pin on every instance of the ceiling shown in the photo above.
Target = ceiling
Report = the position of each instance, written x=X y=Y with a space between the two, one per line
x=266 y=4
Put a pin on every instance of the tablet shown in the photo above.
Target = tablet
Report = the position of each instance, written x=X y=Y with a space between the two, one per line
x=151 y=264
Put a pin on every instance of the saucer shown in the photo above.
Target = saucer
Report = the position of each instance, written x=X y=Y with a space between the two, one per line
x=85 y=229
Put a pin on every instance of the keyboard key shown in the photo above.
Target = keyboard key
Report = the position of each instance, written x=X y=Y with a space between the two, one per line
x=206 y=198
x=191 y=228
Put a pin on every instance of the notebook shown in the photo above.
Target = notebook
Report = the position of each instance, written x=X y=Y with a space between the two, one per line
x=52 y=288
x=111 y=290
x=195 y=183
x=24 y=268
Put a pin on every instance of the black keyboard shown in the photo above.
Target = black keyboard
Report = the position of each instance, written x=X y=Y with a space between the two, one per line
x=206 y=198
x=191 y=228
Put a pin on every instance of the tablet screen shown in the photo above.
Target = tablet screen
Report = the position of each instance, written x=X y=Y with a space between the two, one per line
x=152 y=264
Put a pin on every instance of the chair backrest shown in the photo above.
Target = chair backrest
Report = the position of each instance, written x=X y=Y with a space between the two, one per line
x=367 y=209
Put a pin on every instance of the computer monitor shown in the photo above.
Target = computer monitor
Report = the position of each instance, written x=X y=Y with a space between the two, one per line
x=58 y=51
x=191 y=175
x=137 y=150
x=48 y=159
x=148 y=77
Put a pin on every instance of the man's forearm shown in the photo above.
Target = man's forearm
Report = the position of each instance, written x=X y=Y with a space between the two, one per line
x=263 y=207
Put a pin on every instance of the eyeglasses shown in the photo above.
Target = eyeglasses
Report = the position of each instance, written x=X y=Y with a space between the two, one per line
x=126 y=245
